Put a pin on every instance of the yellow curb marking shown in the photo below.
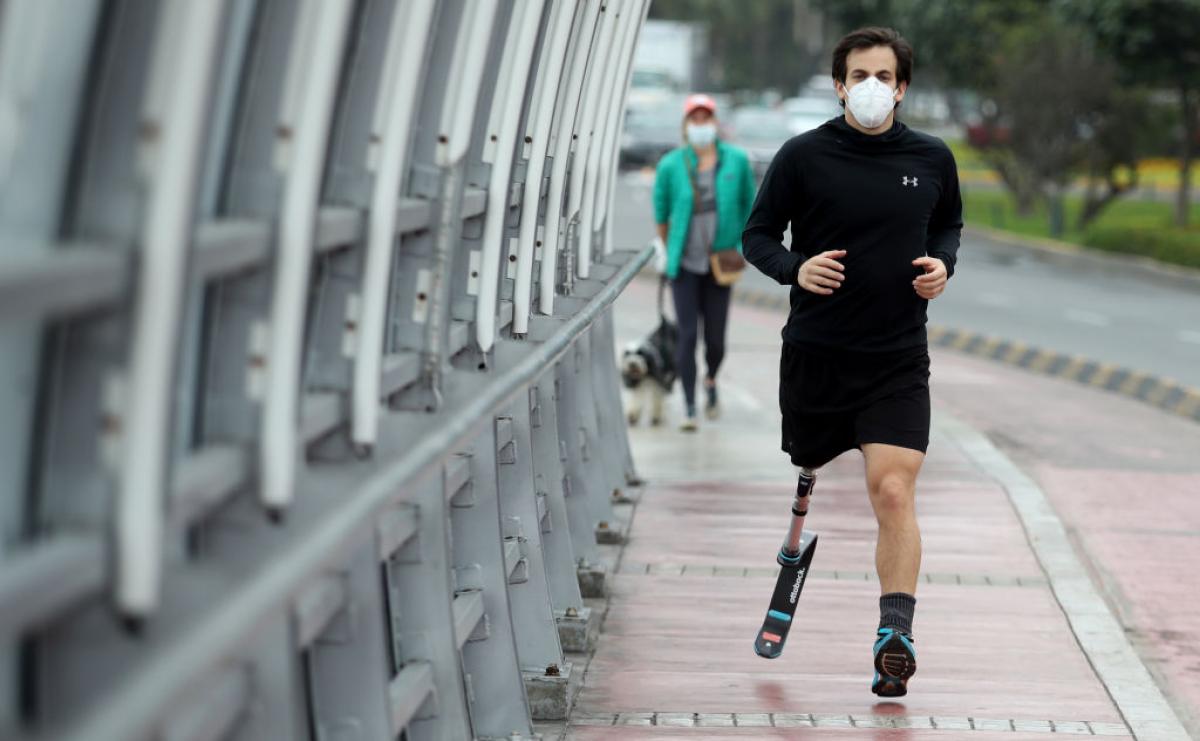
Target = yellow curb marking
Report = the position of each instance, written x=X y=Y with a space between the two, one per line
x=1131 y=384
x=988 y=347
x=1015 y=352
x=1159 y=393
x=1102 y=374
x=1189 y=405
x=1042 y=361
x=1071 y=370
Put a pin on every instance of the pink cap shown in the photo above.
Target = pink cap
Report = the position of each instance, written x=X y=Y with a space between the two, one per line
x=699 y=100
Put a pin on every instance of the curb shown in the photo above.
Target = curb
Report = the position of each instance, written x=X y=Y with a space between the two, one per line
x=1074 y=255
x=1159 y=392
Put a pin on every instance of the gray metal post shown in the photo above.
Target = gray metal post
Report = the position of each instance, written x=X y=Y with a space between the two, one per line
x=423 y=628
x=537 y=639
x=490 y=663
x=347 y=664
x=577 y=483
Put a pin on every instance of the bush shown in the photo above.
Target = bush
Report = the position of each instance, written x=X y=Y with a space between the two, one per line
x=1167 y=244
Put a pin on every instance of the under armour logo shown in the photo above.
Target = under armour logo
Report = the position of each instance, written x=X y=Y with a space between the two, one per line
x=906 y=180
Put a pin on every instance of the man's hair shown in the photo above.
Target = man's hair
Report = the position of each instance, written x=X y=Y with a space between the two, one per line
x=866 y=38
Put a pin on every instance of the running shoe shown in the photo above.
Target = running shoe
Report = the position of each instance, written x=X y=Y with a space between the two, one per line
x=689 y=420
x=895 y=662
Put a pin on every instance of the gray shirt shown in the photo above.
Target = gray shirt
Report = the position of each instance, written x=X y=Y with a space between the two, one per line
x=703 y=227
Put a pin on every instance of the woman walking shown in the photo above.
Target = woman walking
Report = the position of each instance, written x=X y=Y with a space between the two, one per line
x=703 y=192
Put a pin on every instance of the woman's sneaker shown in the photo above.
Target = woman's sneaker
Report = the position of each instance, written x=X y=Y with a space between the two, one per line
x=689 y=420
x=895 y=662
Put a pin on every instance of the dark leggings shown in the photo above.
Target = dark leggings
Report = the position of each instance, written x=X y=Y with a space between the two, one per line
x=699 y=296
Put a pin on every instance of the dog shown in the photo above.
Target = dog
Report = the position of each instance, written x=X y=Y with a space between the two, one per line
x=648 y=372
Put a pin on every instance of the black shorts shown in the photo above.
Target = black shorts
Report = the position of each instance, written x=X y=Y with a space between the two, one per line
x=835 y=400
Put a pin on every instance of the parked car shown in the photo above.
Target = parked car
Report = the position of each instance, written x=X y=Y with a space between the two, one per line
x=761 y=132
x=650 y=133
x=807 y=112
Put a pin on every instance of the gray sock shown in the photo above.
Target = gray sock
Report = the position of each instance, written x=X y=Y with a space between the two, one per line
x=896 y=611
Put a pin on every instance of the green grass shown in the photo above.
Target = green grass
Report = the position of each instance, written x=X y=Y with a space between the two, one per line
x=966 y=156
x=1157 y=172
x=1127 y=226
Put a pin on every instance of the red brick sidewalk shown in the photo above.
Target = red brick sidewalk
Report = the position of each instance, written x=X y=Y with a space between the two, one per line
x=998 y=657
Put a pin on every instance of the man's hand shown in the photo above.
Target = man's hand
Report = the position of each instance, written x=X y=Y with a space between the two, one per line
x=933 y=282
x=821 y=274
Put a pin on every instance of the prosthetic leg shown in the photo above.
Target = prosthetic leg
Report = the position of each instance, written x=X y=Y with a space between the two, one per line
x=794 y=558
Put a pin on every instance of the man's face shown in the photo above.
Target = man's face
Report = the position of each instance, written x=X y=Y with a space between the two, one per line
x=878 y=61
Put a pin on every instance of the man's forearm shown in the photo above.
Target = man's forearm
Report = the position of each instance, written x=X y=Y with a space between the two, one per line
x=662 y=231
x=770 y=257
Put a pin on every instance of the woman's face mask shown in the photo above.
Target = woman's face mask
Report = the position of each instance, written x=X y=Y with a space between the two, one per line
x=701 y=135
x=871 y=101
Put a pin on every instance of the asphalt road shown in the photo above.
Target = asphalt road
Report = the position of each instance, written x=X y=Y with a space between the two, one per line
x=1098 y=313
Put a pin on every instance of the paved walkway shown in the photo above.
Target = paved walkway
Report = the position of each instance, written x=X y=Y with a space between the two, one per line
x=1001 y=602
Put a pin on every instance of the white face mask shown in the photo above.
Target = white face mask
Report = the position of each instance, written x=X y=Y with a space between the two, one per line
x=701 y=135
x=871 y=101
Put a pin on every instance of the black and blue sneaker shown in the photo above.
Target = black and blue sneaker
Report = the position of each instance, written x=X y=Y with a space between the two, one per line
x=895 y=662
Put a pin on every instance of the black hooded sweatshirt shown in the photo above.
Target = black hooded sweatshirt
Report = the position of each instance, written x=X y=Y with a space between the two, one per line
x=885 y=199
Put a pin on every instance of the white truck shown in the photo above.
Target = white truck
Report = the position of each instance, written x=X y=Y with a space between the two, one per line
x=669 y=61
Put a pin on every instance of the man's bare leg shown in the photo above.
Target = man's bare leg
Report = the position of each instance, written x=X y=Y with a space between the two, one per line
x=891 y=482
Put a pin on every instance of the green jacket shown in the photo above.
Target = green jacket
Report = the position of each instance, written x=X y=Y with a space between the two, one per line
x=734 y=193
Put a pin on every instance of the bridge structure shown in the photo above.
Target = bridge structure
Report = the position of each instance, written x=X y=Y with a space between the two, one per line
x=312 y=421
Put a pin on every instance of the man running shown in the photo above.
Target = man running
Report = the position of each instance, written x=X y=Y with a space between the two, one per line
x=875 y=216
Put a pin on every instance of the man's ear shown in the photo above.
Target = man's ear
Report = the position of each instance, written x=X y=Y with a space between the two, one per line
x=840 y=89
x=900 y=91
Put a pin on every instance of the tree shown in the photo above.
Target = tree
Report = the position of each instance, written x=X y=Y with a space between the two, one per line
x=953 y=40
x=752 y=44
x=1155 y=44
x=1065 y=115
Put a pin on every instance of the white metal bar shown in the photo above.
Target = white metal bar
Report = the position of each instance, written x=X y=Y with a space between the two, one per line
x=545 y=103
x=509 y=99
x=409 y=690
x=610 y=148
x=183 y=62
x=305 y=126
x=587 y=150
x=552 y=231
x=463 y=82
x=409 y=35
x=468 y=611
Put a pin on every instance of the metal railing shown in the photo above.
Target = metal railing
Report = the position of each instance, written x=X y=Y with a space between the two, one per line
x=306 y=362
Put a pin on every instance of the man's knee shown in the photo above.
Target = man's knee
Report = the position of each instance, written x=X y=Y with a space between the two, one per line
x=892 y=495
